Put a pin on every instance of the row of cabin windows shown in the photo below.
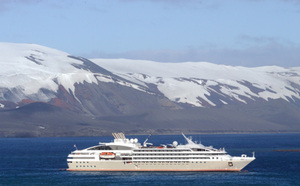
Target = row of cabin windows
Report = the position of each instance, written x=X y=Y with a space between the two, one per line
x=86 y=166
x=101 y=148
x=82 y=162
x=174 y=162
x=81 y=157
x=150 y=162
x=200 y=150
x=112 y=147
x=161 y=150
x=175 y=158
x=178 y=154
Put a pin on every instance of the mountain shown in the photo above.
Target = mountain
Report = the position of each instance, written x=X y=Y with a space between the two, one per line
x=209 y=85
x=47 y=92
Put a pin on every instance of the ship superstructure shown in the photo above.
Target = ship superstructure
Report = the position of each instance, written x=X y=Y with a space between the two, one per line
x=125 y=154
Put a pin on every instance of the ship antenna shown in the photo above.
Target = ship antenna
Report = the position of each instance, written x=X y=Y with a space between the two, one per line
x=187 y=139
x=144 y=144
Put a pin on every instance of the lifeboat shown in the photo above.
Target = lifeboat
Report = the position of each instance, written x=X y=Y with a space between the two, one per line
x=107 y=155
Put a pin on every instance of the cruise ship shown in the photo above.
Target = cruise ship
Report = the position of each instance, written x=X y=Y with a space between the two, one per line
x=125 y=154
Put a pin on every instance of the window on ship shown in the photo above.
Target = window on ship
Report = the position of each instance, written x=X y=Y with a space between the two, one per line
x=100 y=148
x=196 y=149
x=119 y=147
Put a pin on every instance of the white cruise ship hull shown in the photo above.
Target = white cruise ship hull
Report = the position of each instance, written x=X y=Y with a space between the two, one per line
x=128 y=155
x=117 y=165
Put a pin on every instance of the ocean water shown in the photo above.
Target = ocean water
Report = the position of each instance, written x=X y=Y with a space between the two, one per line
x=40 y=161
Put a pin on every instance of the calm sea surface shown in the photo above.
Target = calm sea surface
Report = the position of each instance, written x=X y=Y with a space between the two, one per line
x=37 y=161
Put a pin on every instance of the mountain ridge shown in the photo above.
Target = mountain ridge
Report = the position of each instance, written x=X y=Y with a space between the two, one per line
x=103 y=95
x=256 y=82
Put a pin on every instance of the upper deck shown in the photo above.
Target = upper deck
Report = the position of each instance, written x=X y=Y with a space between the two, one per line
x=121 y=143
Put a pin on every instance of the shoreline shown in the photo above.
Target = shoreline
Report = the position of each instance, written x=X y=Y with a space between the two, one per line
x=154 y=134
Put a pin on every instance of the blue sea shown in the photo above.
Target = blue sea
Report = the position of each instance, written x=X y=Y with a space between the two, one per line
x=41 y=161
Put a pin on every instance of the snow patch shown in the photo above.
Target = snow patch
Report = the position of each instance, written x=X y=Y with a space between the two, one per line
x=109 y=79
x=104 y=78
x=224 y=102
x=68 y=80
x=178 y=90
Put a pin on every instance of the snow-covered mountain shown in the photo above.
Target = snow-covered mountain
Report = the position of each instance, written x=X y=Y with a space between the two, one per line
x=205 y=84
x=35 y=72
x=47 y=92
x=32 y=73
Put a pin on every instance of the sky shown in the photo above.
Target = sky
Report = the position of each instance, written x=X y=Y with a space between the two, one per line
x=232 y=32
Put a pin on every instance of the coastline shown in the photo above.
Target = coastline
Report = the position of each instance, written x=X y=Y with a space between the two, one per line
x=144 y=133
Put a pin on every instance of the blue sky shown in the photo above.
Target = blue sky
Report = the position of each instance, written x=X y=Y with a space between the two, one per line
x=232 y=32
